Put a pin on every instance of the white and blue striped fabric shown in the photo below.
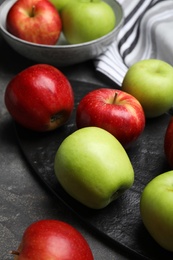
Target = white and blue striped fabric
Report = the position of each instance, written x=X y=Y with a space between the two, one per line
x=147 y=33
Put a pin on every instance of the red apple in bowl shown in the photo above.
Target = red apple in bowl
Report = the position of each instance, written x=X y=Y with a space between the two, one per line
x=116 y=111
x=168 y=143
x=36 y=21
x=52 y=239
x=40 y=98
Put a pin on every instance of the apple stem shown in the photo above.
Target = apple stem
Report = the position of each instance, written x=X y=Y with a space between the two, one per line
x=115 y=97
x=33 y=11
x=14 y=252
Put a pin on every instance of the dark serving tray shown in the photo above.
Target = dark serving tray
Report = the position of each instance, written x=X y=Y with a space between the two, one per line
x=120 y=222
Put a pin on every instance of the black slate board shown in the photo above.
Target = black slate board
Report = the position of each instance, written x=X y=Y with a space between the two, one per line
x=120 y=222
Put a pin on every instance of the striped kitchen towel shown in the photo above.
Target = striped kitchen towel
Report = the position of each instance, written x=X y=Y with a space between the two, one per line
x=147 y=33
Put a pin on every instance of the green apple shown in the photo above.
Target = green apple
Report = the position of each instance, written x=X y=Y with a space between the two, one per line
x=87 y=20
x=93 y=167
x=156 y=207
x=59 y=4
x=151 y=82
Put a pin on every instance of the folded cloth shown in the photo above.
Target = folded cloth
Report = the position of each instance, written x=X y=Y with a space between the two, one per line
x=147 y=33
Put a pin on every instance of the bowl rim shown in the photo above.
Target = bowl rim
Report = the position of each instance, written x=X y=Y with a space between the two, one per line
x=56 y=46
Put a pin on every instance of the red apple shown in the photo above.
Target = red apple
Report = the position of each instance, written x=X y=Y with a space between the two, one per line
x=168 y=143
x=52 y=239
x=35 y=21
x=40 y=98
x=116 y=111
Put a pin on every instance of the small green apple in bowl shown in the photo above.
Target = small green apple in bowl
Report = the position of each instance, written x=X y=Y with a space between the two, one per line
x=157 y=210
x=59 y=4
x=87 y=20
x=93 y=167
x=151 y=82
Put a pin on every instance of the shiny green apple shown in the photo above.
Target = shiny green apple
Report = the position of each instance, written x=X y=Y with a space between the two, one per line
x=156 y=207
x=93 y=167
x=59 y=4
x=87 y=20
x=151 y=82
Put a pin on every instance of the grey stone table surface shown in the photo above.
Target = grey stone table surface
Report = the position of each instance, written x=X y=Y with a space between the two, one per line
x=23 y=198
